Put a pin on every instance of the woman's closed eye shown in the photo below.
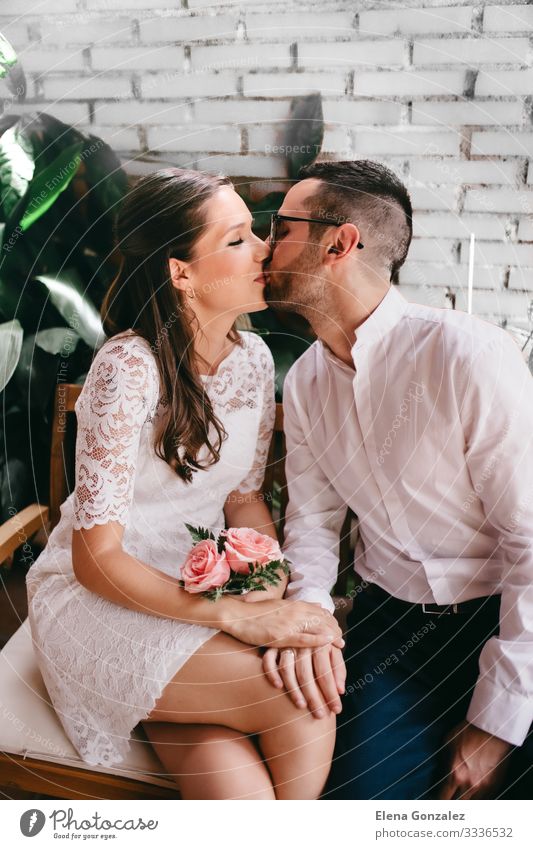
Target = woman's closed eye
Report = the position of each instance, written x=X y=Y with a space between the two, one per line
x=238 y=242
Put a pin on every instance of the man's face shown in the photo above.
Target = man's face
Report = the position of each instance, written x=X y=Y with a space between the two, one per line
x=293 y=269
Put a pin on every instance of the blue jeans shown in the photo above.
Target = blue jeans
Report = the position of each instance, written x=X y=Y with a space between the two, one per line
x=410 y=680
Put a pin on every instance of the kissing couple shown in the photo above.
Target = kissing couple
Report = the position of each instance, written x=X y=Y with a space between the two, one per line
x=418 y=419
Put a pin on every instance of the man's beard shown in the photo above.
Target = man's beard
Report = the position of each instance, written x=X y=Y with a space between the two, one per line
x=299 y=287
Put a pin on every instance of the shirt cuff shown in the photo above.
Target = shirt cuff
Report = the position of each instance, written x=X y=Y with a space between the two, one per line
x=502 y=713
x=312 y=595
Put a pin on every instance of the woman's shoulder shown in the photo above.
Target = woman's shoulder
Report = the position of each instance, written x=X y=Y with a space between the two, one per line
x=124 y=361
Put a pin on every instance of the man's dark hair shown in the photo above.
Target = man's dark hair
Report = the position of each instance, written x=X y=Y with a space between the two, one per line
x=370 y=196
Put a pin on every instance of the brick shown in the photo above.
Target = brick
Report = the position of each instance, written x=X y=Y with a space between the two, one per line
x=119 y=138
x=187 y=28
x=525 y=229
x=438 y=198
x=432 y=250
x=450 y=226
x=240 y=56
x=522 y=278
x=493 y=306
x=293 y=25
x=191 y=138
x=262 y=138
x=499 y=253
x=361 y=112
x=471 y=51
x=499 y=200
x=502 y=143
x=508 y=18
x=433 y=274
x=73 y=31
x=405 y=21
x=288 y=85
x=468 y=112
x=408 y=83
x=31 y=7
x=348 y=54
x=336 y=140
x=504 y=83
x=16 y=32
x=430 y=296
x=404 y=140
x=87 y=88
x=241 y=111
x=37 y=60
x=133 y=112
x=117 y=5
x=178 y=84
x=69 y=113
x=136 y=58
x=245 y=166
x=446 y=171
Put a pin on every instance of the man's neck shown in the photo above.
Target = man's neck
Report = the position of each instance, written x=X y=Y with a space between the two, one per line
x=337 y=328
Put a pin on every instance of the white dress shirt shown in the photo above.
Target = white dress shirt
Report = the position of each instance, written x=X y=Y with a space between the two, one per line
x=429 y=439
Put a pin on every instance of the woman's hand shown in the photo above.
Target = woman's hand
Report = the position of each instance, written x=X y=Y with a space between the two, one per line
x=282 y=622
x=271 y=592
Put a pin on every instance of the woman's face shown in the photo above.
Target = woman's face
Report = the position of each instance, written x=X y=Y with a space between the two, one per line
x=225 y=272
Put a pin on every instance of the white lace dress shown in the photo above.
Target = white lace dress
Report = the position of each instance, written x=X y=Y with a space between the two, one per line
x=105 y=665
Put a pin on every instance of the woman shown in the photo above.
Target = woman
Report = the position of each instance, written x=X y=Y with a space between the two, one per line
x=174 y=424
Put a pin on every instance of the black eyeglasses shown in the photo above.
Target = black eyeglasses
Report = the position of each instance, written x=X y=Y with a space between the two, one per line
x=276 y=218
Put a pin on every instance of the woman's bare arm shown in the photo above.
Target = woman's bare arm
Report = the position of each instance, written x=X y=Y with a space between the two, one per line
x=102 y=566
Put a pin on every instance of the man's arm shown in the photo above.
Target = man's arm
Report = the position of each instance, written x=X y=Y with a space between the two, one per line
x=315 y=511
x=498 y=416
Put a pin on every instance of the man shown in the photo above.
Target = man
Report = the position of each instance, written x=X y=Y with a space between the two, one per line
x=421 y=421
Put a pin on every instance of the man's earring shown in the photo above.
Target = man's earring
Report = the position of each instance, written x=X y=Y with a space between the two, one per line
x=190 y=292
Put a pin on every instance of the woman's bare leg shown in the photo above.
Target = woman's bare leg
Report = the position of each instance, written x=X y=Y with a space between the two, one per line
x=210 y=761
x=223 y=683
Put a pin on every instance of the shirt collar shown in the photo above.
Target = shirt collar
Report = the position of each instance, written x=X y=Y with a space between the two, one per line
x=387 y=314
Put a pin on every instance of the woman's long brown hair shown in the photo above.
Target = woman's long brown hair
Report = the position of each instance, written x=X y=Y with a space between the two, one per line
x=161 y=217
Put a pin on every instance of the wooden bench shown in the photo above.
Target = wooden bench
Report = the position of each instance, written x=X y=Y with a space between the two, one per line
x=36 y=757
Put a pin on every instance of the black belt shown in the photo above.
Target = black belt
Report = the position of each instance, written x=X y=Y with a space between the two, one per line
x=428 y=607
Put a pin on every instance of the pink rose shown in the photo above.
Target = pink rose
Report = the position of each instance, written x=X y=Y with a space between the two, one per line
x=204 y=567
x=245 y=545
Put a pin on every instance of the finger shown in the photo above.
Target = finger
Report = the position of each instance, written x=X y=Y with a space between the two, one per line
x=270 y=667
x=308 y=685
x=323 y=675
x=288 y=673
x=305 y=640
x=339 y=669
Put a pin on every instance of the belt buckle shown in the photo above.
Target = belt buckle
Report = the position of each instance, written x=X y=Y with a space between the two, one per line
x=449 y=608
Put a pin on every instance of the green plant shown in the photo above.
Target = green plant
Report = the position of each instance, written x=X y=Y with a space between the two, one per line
x=59 y=192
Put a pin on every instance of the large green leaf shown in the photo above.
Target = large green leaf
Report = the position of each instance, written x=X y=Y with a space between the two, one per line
x=57 y=340
x=69 y=298
x=11 y=334
x=305 y=133
x=45 y=187
x=11 y=70
x=16 y=167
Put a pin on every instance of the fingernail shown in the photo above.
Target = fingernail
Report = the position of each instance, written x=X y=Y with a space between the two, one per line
x=337 y=708
x=300 y=703
x=320 y=714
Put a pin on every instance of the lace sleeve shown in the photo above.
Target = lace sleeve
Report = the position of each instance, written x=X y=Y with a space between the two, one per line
x=254 y=479
x=119 y=395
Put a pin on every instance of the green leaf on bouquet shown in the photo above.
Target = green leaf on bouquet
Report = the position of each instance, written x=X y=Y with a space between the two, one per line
x=199 y=534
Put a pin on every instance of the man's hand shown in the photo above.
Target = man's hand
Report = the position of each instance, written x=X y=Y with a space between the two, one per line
x=477 y=763
x=313 y=677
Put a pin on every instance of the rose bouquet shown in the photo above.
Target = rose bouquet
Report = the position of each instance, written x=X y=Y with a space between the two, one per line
x=238 y=561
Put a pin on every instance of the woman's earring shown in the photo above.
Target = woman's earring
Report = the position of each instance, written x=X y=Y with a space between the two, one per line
x=190 y=292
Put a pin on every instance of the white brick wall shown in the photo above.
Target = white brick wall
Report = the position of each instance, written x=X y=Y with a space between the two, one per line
x=440 y=91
